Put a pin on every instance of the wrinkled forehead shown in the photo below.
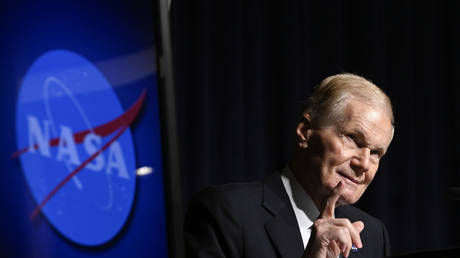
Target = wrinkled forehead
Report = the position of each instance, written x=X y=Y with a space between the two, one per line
x=334 y=111
x=373 y=123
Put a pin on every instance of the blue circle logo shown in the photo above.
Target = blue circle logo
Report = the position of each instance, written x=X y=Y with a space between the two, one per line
x=76 y=148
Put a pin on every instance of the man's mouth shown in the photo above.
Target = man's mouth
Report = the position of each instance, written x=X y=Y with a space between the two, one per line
x=349 y=178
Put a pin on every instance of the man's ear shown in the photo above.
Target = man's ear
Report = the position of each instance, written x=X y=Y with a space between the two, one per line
x=304 y=130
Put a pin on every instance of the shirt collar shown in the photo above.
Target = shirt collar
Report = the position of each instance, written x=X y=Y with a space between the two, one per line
x=305 y=209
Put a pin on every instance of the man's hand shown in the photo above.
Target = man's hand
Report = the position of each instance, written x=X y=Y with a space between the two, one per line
x=331 y=236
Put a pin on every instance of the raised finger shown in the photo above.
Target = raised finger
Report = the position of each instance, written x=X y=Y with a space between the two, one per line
x=329 y=205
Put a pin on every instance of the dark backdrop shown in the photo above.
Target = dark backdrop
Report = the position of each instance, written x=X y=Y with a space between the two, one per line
x=243 y=68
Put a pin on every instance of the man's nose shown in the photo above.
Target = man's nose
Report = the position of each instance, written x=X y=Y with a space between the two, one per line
x=360 y=161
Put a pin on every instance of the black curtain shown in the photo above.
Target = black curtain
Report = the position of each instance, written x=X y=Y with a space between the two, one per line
x=243 y=69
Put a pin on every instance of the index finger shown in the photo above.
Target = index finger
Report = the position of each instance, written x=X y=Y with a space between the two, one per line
x=329 y=205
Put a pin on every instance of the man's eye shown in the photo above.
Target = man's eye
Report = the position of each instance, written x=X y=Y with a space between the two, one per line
x=375 y=153
x=351 y=137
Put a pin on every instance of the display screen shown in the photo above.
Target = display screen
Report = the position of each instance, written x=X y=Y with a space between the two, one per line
x=82 y=146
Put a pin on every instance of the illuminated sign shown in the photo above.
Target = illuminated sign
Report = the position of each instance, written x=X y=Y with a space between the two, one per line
x=76 y=148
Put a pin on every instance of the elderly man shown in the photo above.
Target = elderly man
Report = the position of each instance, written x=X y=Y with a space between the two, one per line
x=304 y=210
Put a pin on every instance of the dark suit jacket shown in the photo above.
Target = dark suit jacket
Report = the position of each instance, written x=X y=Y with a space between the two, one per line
x=257 y=220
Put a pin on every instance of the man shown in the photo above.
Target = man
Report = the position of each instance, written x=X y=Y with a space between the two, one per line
x=342 y=136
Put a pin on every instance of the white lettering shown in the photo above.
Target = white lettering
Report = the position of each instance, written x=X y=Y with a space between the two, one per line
x=116 y=160
x=67 y=146
x=92 y=144
x=38 y=137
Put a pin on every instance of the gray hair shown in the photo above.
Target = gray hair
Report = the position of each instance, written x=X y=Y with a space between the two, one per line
x=328 y=101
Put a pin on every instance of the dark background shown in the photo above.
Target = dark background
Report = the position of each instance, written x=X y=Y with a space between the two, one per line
x=243 y=69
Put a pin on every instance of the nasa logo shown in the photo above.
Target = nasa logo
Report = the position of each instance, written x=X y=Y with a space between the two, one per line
x=75 y=147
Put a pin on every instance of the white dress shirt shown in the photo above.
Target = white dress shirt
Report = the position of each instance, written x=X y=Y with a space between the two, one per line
x=305 y=210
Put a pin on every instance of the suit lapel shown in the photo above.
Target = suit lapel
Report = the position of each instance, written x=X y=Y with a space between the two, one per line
x=282 y=229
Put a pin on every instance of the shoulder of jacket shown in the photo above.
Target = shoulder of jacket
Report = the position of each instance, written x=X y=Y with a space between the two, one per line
x=354 y=213
x=234 y=191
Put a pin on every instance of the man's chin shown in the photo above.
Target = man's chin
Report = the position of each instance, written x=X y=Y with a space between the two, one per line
x=346 y=200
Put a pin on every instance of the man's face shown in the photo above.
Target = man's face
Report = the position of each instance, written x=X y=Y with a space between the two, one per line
x=349 y=150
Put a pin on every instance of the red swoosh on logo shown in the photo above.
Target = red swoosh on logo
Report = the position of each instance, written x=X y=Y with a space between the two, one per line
x=120 y=123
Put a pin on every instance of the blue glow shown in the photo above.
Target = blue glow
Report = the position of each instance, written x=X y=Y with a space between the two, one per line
x=117 y=39
x=63 y=91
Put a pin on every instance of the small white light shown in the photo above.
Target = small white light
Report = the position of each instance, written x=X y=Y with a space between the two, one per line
x=142 y=171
